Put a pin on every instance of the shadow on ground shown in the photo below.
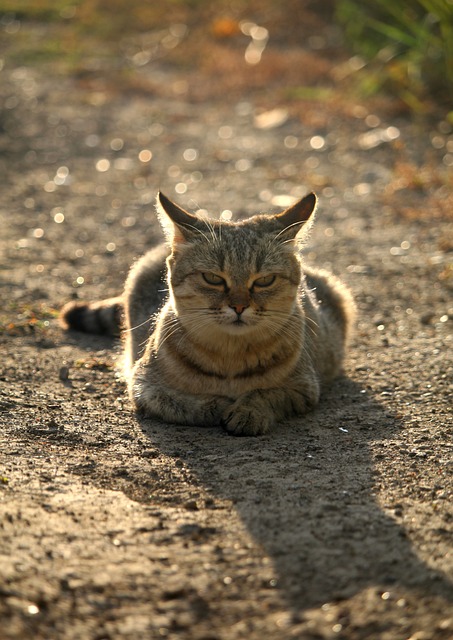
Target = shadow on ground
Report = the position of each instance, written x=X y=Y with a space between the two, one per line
x=307 y=493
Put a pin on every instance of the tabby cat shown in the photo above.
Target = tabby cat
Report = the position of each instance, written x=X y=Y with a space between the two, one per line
x=248 y=335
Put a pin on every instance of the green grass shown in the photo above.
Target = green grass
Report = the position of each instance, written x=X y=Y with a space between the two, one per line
x=408 y=45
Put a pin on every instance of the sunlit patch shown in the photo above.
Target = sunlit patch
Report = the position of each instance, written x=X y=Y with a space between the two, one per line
x=288 y=170
x=225 y=132
x=101 y=190
x=174 y=171
x=32 y=609
x=61 y=176
x=259 y=36
x=271 y=119
x=103 y=165
x=375 y=137
x=92 y=140
x=317 y=143
x=438 y=142
x=291 y=142
x=283 y=200
x=190 y=155
x=145 y=155
x=243 y=164
x=128 y=221
x=156 y=129
x=362 y=189
x=312 y=163
x=116 y=144
x=181 y=188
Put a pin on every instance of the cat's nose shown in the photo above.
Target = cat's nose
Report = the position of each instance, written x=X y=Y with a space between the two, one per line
x=239 y=308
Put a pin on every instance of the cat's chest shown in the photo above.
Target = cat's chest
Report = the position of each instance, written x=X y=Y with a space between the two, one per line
x=230 y=370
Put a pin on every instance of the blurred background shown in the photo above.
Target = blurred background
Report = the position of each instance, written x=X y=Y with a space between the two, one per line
x=299 y=49
x=234 y=107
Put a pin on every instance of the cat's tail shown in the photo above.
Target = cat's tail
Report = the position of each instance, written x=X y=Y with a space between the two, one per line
x=103 y=317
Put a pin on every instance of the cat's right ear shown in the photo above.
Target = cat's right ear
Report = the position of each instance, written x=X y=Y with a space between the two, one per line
x=299 y=215
x=178 y=225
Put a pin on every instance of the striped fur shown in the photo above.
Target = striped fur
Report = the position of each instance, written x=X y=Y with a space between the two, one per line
x=103 y=317
x=248 y=335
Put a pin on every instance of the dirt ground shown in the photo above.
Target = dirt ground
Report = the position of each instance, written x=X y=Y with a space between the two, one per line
x=338 y=526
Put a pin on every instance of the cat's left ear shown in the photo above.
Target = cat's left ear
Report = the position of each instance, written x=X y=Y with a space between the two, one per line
x=177 y=224
x=297 y=216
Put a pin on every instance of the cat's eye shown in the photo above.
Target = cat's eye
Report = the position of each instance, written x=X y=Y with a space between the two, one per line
x=213 y=278
x=264 y=281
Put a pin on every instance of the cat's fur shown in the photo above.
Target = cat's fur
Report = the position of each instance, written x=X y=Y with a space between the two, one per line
x=248 y=335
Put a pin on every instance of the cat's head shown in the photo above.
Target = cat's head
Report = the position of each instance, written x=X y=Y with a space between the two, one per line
x=234 y=277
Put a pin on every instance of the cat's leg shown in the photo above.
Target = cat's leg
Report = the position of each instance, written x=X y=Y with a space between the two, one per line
x=153 y=400
x=256 y=412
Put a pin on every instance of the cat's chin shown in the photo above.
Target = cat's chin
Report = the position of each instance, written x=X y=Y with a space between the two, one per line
x=236 y=328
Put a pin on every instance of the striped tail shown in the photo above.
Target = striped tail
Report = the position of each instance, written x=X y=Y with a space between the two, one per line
x=103 y=317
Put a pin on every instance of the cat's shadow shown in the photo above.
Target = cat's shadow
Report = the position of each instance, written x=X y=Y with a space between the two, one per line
x=307 y=494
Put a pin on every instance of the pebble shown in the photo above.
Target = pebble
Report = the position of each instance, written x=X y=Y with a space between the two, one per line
x=63 y=373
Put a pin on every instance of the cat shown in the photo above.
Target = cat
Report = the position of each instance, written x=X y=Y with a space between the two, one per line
x=248 y=335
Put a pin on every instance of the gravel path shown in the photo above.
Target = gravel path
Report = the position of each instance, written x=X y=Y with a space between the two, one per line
x=337 y=526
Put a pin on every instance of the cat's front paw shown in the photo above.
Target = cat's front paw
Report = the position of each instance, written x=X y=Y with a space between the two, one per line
x=244 y=421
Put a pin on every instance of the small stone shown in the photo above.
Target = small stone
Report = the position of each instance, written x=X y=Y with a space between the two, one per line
x=63 y=374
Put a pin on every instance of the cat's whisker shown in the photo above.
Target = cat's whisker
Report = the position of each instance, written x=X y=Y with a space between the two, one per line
x=299 y=223
x=168 y=335
x=194 y=228
x=220 y=230
x=311 y=322
x=138 y=326
x=212 y=232
x=196 y=327
x=257 y=341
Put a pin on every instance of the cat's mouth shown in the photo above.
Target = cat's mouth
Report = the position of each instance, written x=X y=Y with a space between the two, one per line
x=236 y=323
x=237 y=326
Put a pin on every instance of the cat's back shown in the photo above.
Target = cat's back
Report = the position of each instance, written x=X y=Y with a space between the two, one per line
x=332 y=297
x=330 y=312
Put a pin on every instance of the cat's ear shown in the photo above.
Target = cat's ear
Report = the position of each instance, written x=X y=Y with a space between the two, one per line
x=177 y=224
x=299 y=215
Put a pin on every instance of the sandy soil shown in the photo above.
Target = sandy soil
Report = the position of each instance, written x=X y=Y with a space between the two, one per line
x=337 y=526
